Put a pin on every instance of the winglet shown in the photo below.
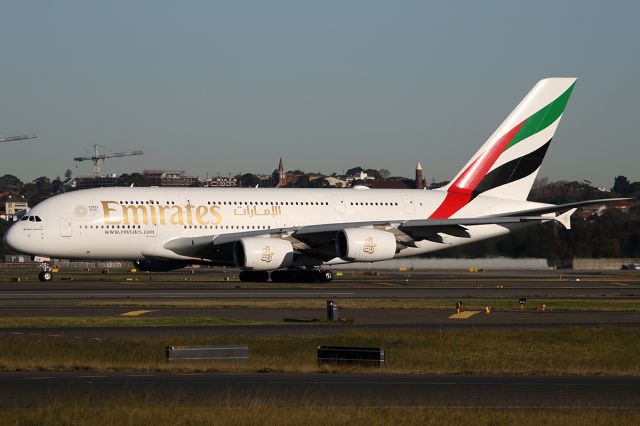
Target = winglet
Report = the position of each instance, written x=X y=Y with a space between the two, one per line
x=565 y=218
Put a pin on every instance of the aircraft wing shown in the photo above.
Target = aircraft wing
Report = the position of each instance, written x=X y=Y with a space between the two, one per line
x=318 y=241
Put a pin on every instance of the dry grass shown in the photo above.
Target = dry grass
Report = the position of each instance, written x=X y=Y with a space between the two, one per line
x=626 y=305
x=143 y=411
x=575 y=351
x=89 y=322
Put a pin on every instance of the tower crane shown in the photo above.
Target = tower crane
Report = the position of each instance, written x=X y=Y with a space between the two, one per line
x=97 y=158
x=17 y=138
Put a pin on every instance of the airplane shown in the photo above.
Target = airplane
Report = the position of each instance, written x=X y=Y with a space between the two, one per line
x=291 y=235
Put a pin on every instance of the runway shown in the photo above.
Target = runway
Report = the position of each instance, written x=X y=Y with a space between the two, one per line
x=26 y=389
x=100 y=299
x=177 y=297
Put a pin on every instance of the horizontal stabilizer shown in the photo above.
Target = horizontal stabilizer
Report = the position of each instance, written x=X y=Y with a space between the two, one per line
x=565 y=218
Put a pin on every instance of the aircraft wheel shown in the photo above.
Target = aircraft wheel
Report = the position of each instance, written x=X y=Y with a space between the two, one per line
x=261 y=276
x=325 y=275
x=280 y=276
x=45 y=276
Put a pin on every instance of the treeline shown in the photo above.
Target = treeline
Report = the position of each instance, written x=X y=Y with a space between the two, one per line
x=613 y=234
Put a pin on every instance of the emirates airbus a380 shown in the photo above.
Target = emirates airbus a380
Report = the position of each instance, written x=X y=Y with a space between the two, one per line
x=294 y=234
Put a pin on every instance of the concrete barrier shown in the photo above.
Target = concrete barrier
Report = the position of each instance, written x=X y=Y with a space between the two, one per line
x=350 y=355
x=405 y=265
x=233 y=353
x=602 y=264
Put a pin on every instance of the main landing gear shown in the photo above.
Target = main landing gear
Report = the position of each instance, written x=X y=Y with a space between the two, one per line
x=288 y=276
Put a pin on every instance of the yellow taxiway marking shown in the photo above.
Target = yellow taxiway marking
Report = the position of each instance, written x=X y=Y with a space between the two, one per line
x=464 y=315
x=136 y=313
x=619 y=283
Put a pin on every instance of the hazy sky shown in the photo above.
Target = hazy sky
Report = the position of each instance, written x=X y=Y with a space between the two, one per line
x=229 y=87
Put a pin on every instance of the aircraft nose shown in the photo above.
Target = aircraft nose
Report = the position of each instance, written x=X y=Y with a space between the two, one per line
x=12 y=238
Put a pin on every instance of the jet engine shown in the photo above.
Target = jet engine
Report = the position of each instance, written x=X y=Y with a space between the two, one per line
x=365 y=245
x=158 y=265
x=262 y=254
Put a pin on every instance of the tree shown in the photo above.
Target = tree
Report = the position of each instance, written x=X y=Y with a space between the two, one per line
x=248 y=180
x=4 y=225
x=385 y=173
x=56 y=186
x=622 y=186
x=10 y=183
x=68 y=174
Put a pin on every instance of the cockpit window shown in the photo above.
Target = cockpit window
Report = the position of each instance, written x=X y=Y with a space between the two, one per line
x=32 y=218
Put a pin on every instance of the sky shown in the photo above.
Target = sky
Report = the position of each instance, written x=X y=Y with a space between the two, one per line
x=223 y=87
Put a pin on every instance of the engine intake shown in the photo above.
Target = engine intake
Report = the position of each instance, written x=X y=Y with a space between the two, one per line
x=365 y=245
x=262 y=254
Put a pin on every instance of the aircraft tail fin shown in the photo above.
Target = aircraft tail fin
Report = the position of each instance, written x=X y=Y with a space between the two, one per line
x=506 y=165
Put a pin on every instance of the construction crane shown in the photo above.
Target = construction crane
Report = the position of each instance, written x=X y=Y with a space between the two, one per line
x=17 y=138
x=97 y=158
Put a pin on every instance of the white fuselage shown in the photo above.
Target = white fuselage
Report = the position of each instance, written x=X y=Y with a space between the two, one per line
x=131 y=223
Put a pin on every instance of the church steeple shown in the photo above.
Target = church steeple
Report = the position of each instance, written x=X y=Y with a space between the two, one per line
x=420 y=183
x=282 y=175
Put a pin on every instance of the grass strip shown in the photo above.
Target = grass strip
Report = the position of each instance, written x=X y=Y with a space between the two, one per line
x=618 y=305
x=610 y=350
x=89 y=322
x=139 y=410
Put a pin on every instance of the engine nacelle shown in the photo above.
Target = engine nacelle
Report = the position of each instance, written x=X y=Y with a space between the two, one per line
x=365 y=245
x=262 y=254
x=158 y=265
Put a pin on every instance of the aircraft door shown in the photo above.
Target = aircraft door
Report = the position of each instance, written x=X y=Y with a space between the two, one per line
x=409 y=207
x=338 y=202
x=66 y=227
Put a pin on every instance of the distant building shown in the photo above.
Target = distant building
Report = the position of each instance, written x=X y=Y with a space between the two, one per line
x=12 y=207
x=221 y=182
x=336 y=182
x=388 y=184
x=591 y=212
x=360 y=177
x=169 y=178
x=92 y=182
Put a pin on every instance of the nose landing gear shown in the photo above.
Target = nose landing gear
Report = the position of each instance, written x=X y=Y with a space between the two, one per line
x=46 y=274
